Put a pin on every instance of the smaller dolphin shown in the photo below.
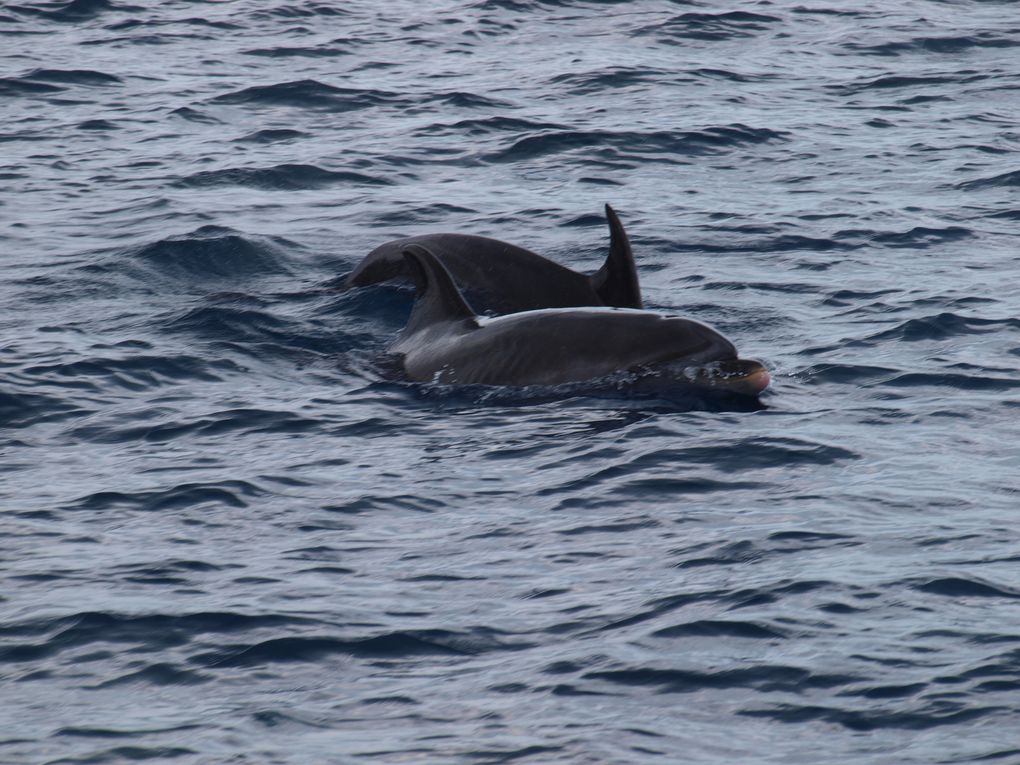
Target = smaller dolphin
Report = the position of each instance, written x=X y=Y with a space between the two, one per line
x=444 y=341
x=504 y=278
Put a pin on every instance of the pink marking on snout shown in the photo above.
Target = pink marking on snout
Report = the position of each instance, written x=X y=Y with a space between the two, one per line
x=759 y=380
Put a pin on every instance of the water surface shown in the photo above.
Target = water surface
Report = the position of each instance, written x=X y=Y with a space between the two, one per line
x=228 y=539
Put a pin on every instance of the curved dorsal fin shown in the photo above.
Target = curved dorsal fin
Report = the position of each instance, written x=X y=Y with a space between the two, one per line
x=438 y=298
x=617 y=282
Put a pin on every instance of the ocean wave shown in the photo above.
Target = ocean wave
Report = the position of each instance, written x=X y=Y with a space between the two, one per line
x=424 y=214
x=489 y=126
x=393 y=645
x=380 y=502
x=241 y=324
x=844 y=374
x=712 y=628
x=316 y=51
x=73 y=11
x=929 y=715
x=272 y=136
x=917 y=237
x=615 y=483
x=73 y=77
x=163 y=39
x=214 y=252
x=229 y=493
x=286 y=177
x=157 y=674
x=729 y=456
x=658 y=146
x=611 y=77
x=103 y=125
x=949 y=44
x=745 y=552
x=138 y=372
x=22 y=86
x=194 y=115
x=299 y=11
x=161 y=430
x=708 y=26
x=961 y=587
x=772 y=678
x=20 y=409
x=972 y=382
x=895 y=81
x=128 y=754
x=780 y=243
x=533 y=5
x=728 y=75
x=750 y=454
x=1003 y=180
x=842 y=298
x=68 y=633
x=191 y=21
x=464 y=100
x=309 y=94
x=941 y=326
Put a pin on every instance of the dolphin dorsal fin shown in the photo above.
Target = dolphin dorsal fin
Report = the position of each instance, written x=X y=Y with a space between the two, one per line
x=438 y=298
x=617 y=282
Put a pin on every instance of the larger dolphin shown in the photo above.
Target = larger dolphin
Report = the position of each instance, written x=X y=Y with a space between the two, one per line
x=504 y=278
x=446 y=342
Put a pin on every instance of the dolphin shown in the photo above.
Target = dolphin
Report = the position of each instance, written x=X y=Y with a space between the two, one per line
x=446 y=342
x=504 y=278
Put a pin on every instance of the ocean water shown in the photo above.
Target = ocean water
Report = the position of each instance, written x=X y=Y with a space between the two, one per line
x=227 y=538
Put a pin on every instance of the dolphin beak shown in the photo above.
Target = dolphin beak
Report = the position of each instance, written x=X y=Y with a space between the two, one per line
x=743 y=376
x=754 y=381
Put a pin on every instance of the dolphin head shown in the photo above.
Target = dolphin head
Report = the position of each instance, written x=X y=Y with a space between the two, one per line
x=695 y=354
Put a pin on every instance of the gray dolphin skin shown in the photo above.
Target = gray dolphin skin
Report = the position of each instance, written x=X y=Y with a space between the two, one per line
x=504 y=278
x=446 y=342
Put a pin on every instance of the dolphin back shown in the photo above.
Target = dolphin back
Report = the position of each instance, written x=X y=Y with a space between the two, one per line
x=499 y=277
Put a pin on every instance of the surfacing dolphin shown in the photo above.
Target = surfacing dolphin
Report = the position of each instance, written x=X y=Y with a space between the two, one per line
x=446 y=342
x=504 y=278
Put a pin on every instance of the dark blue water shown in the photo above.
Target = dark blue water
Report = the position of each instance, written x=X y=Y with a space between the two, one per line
x=227 y=538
